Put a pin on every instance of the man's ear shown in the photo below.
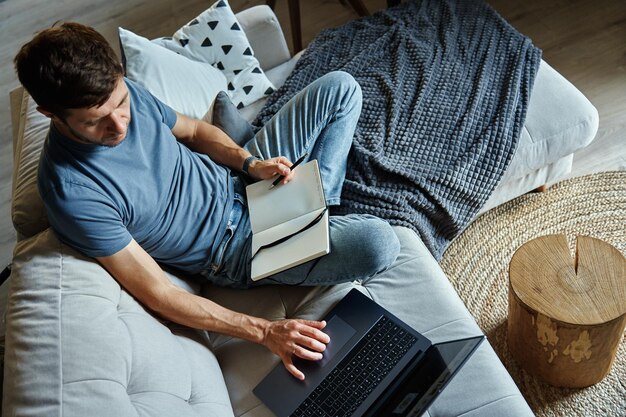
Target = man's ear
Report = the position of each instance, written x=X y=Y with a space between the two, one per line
x=52 y=116
x=46 y=113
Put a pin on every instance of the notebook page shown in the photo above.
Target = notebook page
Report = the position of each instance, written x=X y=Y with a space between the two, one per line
x=301 y=248
x=281 y=230
x=302 y=195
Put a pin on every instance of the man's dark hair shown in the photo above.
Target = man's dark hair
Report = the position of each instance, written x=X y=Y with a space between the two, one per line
x=70 y=66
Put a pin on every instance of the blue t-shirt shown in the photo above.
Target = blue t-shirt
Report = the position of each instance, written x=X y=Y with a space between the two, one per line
x=151 y=188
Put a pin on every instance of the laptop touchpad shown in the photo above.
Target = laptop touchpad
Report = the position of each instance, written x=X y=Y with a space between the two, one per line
x=340 y=332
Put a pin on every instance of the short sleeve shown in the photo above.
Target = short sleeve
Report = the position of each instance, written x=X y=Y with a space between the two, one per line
x=86 y=219
x=168 y=114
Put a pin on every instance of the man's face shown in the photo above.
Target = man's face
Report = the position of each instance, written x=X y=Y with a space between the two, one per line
x=105 y=125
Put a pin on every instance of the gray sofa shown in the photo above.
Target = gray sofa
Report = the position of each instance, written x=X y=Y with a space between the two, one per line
x=78 y=345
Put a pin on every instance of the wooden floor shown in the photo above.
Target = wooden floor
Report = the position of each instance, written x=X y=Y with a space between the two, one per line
x=585 y=40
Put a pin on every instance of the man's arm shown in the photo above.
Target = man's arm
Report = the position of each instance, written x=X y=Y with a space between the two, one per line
x=205 y=138
x=140 y=275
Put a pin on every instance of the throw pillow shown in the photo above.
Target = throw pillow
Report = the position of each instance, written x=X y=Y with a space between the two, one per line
x=215 y=37
x=187 y=86
x=228 y=118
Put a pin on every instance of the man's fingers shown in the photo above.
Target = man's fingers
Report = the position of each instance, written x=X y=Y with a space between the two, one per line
x=283 y=160
x=311 y=343
x=301 y=338
x=284 y=170
x=315 y=334
x=280 y=169
x=314 y=323
x=291 y=368
x=283 y=164
x=311 y=329
x=307 y=354
x=288 y=177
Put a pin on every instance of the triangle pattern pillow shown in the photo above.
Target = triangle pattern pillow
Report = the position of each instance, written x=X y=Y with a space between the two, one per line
x=215 y=37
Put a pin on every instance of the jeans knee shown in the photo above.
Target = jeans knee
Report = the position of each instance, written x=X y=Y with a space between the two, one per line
x=389 y=250
x=349 y=89
x=379 y=248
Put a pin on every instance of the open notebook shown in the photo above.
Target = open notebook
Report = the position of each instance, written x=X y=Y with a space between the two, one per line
x=297 y=208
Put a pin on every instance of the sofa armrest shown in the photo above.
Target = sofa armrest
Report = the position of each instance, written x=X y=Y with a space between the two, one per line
x=265 y=36
x=16 y=96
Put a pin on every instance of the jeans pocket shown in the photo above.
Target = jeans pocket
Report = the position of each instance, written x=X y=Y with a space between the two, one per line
x=218 y=261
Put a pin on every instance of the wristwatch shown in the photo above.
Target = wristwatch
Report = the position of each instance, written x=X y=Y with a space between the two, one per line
x=246 y=164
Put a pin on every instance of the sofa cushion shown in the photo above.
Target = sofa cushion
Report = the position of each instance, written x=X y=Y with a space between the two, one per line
x=559 y=121
x=510 y=188
x=416 y=290
x=78 y=345
x=187 y=86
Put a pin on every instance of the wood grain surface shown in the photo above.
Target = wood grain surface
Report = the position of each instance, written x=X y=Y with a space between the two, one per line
x=566 y=315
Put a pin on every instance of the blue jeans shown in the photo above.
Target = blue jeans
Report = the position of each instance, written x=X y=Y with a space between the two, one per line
x=319 y=120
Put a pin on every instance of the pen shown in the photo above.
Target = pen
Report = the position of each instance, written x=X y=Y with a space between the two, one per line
x=295 y=164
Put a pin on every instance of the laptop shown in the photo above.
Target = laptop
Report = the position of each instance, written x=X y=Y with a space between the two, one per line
x=374 y=365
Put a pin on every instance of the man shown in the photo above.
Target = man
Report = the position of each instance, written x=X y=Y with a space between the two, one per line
x=132 y=183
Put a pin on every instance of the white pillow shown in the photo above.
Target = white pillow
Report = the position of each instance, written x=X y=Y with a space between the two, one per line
x=215 y=37
x=187 y=86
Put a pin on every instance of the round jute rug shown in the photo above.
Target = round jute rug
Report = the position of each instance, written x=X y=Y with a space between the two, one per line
x=477 y=265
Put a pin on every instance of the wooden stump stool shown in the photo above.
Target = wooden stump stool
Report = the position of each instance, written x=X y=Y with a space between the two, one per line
x=566 y=317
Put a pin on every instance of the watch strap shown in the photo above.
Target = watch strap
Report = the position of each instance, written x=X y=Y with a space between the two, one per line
x=246 y=164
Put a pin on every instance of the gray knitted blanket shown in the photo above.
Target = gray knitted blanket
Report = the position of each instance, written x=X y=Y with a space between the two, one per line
x=445 y=90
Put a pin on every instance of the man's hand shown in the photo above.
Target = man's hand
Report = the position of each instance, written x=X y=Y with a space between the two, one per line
x=302 y=338
x=270 y=168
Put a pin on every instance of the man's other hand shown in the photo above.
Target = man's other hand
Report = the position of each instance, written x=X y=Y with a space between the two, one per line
x=302 y=338
x=270 y=168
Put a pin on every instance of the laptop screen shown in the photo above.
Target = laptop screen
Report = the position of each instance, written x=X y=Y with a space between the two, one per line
x=422 y=382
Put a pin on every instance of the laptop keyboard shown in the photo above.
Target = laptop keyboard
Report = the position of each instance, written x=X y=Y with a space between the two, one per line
x=360 y=372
